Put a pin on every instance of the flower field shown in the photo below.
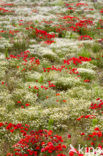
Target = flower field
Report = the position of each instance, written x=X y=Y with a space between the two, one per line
x=51 y=77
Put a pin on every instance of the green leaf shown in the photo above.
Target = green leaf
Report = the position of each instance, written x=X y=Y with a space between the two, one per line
x=41 y=79
x=50 y=124
x=6 y=52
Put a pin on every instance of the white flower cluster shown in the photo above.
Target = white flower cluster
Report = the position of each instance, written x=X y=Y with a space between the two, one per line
x=5 y=43
x=87 y=65
x=24 y=96
x=46 y=52
x=76 y=92
x=33 y=75
x=63 y=82
x=84 y=70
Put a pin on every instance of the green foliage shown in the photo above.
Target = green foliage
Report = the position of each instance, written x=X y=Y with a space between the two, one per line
x=87 y=76
x=62 y=34
x=6 y=52
x=96 y=48
x=84 y=53
x=41 y=79
x=18 y=47
x=50 y=124
x=94 y=122
x=84 y=31
x=98 y=62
